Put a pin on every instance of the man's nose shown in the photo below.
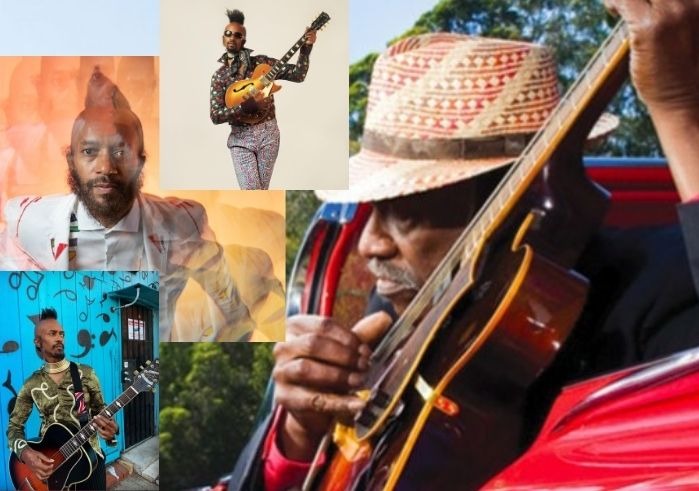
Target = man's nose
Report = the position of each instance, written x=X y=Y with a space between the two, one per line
x=376 y=240
x=105 y=163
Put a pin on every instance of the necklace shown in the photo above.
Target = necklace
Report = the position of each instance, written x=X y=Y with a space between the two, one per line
x=57 y=367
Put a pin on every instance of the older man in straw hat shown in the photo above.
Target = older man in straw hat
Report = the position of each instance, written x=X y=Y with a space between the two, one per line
x=445 y=113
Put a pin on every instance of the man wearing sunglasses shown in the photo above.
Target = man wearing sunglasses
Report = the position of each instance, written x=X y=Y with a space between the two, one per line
x=254 y=138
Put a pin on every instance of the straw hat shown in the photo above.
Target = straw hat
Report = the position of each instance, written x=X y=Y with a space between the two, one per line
x=446 y=107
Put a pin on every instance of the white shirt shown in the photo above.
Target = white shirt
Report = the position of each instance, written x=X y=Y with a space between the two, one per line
x=93 y=247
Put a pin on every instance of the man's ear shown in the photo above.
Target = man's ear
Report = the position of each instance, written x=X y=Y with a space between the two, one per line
x=69 y=155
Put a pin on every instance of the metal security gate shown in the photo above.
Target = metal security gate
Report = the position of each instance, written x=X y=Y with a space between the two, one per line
x=137 y=348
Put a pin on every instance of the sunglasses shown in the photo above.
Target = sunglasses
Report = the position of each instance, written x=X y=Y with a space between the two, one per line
x=237 y=35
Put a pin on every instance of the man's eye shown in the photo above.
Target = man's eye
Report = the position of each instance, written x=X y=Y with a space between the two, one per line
x=89 y=151
x=119 y=154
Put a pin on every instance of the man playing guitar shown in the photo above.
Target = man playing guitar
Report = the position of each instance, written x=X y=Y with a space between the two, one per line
x=254 y=138
x=46 y=388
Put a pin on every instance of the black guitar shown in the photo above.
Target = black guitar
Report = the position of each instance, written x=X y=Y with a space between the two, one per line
x=69 y=446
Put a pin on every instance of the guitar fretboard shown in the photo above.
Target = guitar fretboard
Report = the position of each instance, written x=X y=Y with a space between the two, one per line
x=274 y=71
x=86 y=432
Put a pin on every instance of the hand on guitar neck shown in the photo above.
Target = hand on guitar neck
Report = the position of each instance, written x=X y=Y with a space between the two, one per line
x=315 y=370
x=106 y=427
x=310 y=36
x=39 y=464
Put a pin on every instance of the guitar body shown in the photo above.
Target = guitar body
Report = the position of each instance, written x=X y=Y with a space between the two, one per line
x=250 y=92
x=68 y=471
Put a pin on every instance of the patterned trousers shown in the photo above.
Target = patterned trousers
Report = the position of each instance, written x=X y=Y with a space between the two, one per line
x=254 y=151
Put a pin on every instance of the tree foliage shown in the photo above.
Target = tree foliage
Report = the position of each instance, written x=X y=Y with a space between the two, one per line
x=300 y=206
x=211 y=394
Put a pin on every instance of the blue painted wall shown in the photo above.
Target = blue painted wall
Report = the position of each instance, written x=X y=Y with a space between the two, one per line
x=93 y=335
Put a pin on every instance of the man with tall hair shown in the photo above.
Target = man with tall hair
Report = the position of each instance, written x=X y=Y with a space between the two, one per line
x=107 y=223
x=425 y=168
x=254 y=137
x=45 y=389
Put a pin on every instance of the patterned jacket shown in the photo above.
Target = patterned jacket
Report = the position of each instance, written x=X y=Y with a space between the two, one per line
x=56 y=404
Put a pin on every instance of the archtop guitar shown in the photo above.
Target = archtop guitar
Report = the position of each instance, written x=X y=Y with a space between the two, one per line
x=246 y=94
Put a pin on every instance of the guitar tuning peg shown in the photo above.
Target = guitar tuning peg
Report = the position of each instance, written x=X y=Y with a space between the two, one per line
x=135 y=372
x=148 y=363
x=140 y=367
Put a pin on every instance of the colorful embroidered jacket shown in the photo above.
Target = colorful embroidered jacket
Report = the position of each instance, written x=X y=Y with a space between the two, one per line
x=241 y=67
x=56 y=404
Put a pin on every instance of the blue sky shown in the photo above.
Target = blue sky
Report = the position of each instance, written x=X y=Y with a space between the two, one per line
x=126 y=27
x=373 y=22
x=105 y=27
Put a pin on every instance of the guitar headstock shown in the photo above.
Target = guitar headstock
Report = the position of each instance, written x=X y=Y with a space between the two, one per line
x=320 y=21
x=148 y=377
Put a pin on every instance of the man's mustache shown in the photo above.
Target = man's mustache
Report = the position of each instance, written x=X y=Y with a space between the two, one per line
x=105 y=180
x=388 y=271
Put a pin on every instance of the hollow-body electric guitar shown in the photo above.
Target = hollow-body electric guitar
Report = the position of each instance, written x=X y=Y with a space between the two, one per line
x=246 y=94
x=446 y=388
x=69 y=447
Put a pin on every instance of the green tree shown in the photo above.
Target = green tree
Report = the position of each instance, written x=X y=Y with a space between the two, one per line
x=300 y=206
x=206 y=422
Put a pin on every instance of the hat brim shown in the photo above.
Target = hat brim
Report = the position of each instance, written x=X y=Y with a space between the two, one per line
x=375 y=176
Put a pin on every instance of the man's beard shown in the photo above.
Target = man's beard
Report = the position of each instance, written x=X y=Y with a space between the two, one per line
x=113 y=209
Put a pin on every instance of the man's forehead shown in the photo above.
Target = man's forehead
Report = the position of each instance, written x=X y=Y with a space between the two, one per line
x=47 y=325
x=235 y=27
x=101 y=123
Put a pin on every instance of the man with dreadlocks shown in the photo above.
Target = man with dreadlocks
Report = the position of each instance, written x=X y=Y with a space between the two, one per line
x=254 y=138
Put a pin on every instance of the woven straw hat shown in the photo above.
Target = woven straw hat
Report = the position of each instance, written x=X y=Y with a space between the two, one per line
x=446 y=107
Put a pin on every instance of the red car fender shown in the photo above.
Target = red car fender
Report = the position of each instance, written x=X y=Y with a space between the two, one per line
x=636 y=429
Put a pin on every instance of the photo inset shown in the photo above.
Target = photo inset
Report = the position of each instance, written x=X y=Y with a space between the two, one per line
x=254 y=98
x=80 y=364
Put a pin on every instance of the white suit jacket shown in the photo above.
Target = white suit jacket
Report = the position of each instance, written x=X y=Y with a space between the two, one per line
x=177 y=240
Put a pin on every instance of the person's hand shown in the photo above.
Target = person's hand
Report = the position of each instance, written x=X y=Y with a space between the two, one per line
x=664 y=38
x=665 y=70
x=106 y=427
x=310 y=37
x=40 y=464
x=315 y=371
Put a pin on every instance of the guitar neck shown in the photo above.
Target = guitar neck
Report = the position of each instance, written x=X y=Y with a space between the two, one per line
x=274 y=71
x=87 y=431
